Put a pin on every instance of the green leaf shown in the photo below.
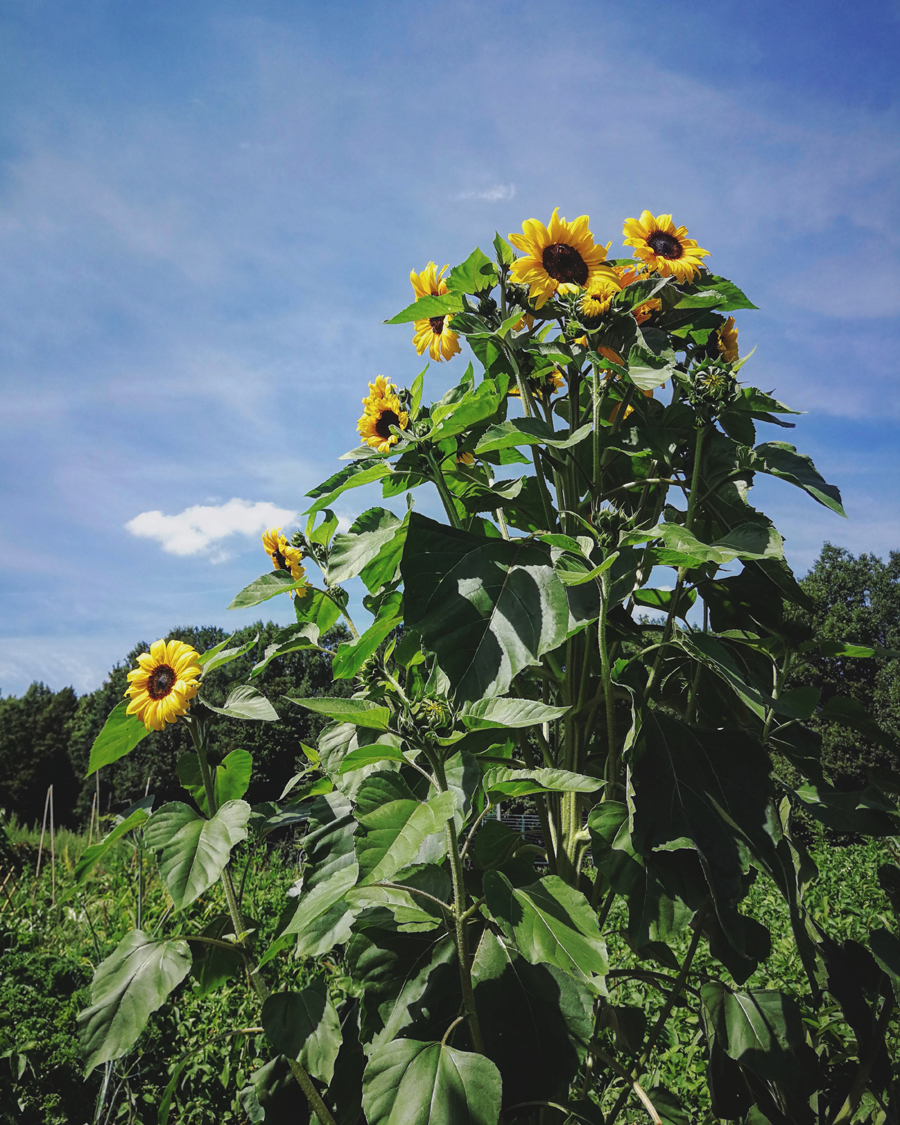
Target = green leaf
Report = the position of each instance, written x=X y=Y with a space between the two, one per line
x=193 y=851
x=845 y=649
x=550 y=922
x=359 y=712
x=851 y=713
x=351 y=655
x=521 y=783
x=216 y=657
x=304 y=1026
x=454 y=415
x=427 y=307
x=119 y=736
x=528 y=431
x=127 y=987
x=714 y=293
x=505 y=252
x=509 y=713
x=573 y=572
x=886 y=950
x=486 y=608
x=396 y=824
x=662 y=599
x=231 y=778
x=265 y=587
x=415 y=392
x=352 y=551
x=292 y=639
x=246 y=702
x=779 y=459
x=322 y=918
x=409 y=1082
x=353 y=476
x=536 y=1021
x=213 y=965
x=135 y=817
x=316 y=608
x=475 y=275
x=369 y=755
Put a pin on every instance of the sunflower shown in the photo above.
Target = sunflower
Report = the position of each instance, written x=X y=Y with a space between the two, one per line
x=727 y=341
x=597 y=299
x=164 y=683
x=433 y=333
x=285 y=557
x=546 y=386
x=464 y=458
x=563 y=255
x=663 y=247
x=382 y=410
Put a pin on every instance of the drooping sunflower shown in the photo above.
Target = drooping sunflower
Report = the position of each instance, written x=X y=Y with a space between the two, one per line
x=664 y=247
x=597 y=299
x=382 y=410
x=727 y=341
x=543 y=388
x=433 y=334
x=562 y=254
x=285 y=557
x=164 y=683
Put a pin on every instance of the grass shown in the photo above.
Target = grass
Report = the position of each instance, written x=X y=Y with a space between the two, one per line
x=48 y=951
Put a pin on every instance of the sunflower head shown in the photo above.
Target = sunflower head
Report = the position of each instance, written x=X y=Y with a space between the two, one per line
x=727 y=340
x=663 y=247
x=434 y=336
x=596 y=300
x=285 y=557
x=429 y=283
x=545 y=387
x=382 y=410
x=559 y=256
x=163 y=684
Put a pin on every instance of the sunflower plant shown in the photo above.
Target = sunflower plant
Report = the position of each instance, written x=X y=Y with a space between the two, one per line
x=593 y=632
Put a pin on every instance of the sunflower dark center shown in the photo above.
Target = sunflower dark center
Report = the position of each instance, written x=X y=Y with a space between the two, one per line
x=383 y=425
x=161 y=681
x=564 y=263
x=280 y=561
x=437 y=324
x=666 y=245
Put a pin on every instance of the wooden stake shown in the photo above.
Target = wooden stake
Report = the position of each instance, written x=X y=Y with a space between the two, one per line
x=37 y=873
x=52 y=852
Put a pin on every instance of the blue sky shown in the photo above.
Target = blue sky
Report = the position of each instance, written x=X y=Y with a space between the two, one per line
x=208 y=209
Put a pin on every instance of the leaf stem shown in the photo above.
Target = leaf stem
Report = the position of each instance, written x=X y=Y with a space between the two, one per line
x=198 y=735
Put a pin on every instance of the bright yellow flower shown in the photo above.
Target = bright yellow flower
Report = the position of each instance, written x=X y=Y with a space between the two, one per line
x=285 y=557
x=164 y=683
x=598 y=297
x=728 y=345
x=561 y=256
x=663 y=247
x=382 y=410
x=432 y=334
x=463 y=458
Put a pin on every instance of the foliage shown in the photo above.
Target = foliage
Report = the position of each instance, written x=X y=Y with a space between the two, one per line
x=33 y=748
x=503 y=658
x=856 y=597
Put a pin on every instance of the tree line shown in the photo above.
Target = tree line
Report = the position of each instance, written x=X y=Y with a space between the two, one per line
x=46 y=736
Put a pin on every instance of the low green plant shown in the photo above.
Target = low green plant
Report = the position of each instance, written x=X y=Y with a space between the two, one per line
x=471 y=974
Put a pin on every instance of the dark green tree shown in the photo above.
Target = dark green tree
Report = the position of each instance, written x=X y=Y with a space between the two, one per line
x=856 y=598
x=33 y=746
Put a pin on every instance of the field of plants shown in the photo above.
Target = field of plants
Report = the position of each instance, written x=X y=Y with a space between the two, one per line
x=50 y=950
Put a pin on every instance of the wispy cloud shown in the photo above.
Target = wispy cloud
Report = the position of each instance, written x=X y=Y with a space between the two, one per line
x=495 y=194
x=197 y=529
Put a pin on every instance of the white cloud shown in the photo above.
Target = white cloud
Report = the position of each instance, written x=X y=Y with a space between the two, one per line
x=492 y=194
x=198 y=528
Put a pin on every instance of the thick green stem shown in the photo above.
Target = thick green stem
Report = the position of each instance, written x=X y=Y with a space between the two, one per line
x=460 y=918
x=441 y=485
x=299 y=1072
x=612 y=764
x=776 y=692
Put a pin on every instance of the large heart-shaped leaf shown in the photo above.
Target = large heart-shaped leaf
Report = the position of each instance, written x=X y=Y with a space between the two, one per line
x=550 y=922
x=304 y=1026
x=413 y=1083
x=395 y=824
x=130 y=984
x=360 y=712
x=193 y=851
x=486 y=607
x=231 y=778
x=246 y=702
x=353 y=551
